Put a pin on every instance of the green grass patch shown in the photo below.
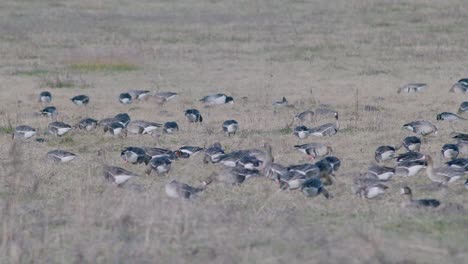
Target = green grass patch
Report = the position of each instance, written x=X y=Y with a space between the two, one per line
x=6 y=130
x=103 y=66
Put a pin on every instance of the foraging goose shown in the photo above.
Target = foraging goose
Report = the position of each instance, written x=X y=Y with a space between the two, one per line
x=142 y=127
x=123 y=118
x=283 y=102
x=216 y=99
x=412 y=143
x=305 y=116
x=371 y=190
x=117 y=175
x=462 y=142
x=292 y=180
x=125 y=98
x=87 y=124
x=249 y=162
x=384 y=153
x=409 y=168
x=49 y=111
x=231 y=176
x=230 y=127
x=265 y=156
x=443 y=175
x=450 y=151
x=193 y=116
x=170 y=127
x=460 y=87
x=446 y=116
x=138 y=94
x=231 y=159
x=410 y=156
x=314 y=150
x=301 y=132
x=107 y=121
x=459 y=163
x=324 y=110
x=275 y=170
x=160 y=152
x=163 y=97
x=463 y=108
x=380 y=172
x=45 y=97
x=60 y=156
x=313 y=187
x=58 y=128
x=412 y=88
x=406 y=191
x=188 y=151
x=161 y=165
x=135 y=155
x=24 y=132
x=213 y=153
x=421 y=127
x=115 y=129
x=179 y=190
x=466 y=184
x=306 y=169
x=80 y=99
x=328 y=129
x=334 y=162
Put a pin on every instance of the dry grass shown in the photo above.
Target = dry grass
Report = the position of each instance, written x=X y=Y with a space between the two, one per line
x=348 y=54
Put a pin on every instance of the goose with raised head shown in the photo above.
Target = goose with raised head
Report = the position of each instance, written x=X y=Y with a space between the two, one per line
x=328 y=129
x=59 y=155
x=58 y=128
x=412 y=143
x=420 y=203
x=213 y=153
x=421 y=127
x=412 y=88
x=314 y=150
x=217 y=99
x=80 y=100
x=443 y=175
x=117 y=175
x=24 y=132
x=450 y=151
x=179 y=190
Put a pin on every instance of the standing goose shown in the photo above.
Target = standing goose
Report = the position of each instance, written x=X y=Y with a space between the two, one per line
x=87 y=124
x=313 y=187
x=193 y=116
x=188 y=151
x=412 y=88
x=230 y=127
x=412 y=143
x=135 y=155
x=45 y=97
x=138 y=94
x=170 y=127
x=142 y=127
x=60 y=156
x=49 y=111
x=443 y=175
x=446 y=116
x=116 y=129
x=381 y=173
x=216 y=99
x=24 y=132
x=125 y=98
x=58 y=128
x=421 y=203
x=80 y=99
x=305 y=116
x=314 y=150
x=179 y=190
x=117 y=175
x=213 y=153
x=301 y=132
x=160 y=152
x=409 y=168
x=421 y=127
x=463 y=108
x=161 y=165
x=460 y=87
x=450 y=151
x=328 y=129
x=384 y=153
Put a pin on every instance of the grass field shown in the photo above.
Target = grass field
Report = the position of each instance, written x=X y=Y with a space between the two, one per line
x=345 y=53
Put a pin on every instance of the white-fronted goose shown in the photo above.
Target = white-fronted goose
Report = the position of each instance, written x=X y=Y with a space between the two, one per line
x=87 y=124
x=80 y=99
x=275 y=170
x=24 y=132
x=60 y=156
x=412 y=88
x=216 y=99
x=450 y=151
x=328 y=129
x=193 y=116
x=117 y=175
x=412 y=143
x=447 y=116
x=45 y=97
x=49 y=111
x=409 y=168
x=443 y=175
x=384 y=153
x=463 y=108
x=171 y=127
x=292 y=180
x=138 y=94
x=314 y=150
x=179 y=190
x=213 y=153
x=230 y=127
x=163 y=97
x=125 y=98
x=305 y=116
x=380 y=172
x=188 y=151
x=135 y=155
x=313 y=187
x=462 y=142
x=161 y=165
x=420 y=203
x=107 y=121
x=115 y=129
x=58 y=128
x=301 y=132
x=142 y=127
x=421 y=127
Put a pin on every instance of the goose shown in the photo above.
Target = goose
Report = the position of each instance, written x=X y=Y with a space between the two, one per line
x=443 y=175
x=314 y=150
x=60 y=156
x=24 y=132
x=379 y=172
x=249 y=162
x=116 y=129
x=160 y=152
x=170 y=127
x=58 y=128
x=231 y=159
x=412 y=143
x=265 y=156
x=313 y=187
x=305 y=116
x=466 y=184
x=275 y=170
x=301 y=132
x=421 y=127
x=328 y=129
x=326 y=170
x=384 y=153
x=45 y=97
x=117 y=175
x=135 y=155
x=463 y=108
x=138 y=94
x=161 y=165
x=188 y=151
x=409 y=168
x=412 y=88
x=462 y=142
x=324 y=110
x=446 y=116
x=334 y=162
x=459 y=163
x=87 y=124
x=460 y=87
x=450 y=151
x=371 y=190
x=292 y=180
x=231 y=176
x=80 y=99
x=142 y=127
x=193 y=116
x=163 y=97
x=306 y=169
x=179 y=190
x=420 y=203
x=283 y=102
x=410 y=156
x=49 y=111
x=125 y=98
x=123 y=118
x=213 y=153
x=216 y=99
x=107 y=121
x=230 y=127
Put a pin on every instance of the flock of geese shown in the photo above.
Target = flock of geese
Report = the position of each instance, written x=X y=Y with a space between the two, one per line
x=311 y=178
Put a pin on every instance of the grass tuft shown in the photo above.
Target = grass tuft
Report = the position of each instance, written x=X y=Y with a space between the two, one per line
x=104 y=65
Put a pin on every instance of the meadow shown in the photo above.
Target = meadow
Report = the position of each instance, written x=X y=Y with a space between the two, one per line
x=347 y=54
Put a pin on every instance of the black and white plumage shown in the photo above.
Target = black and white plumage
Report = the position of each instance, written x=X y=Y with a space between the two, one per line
x=249 y=162
x=421 y=127
x=115 y=129
x=412 y=143
x=301 y=132
x=80 y=99
x=107 y=121
x=463 y=108
x=160 y=165
x=409 y=156
x=135 y=155
x=45 y=97
x=230 y=127
x=412 y=88
x=193 y=115
x=171 y=127
x=125 y=98
x=450 y=151
x=231 y=159
x=328 y=129
x=283 y=102
x=409 y=168
x=142 y=127
x=160 y=152
x=24 y=132
x=313 y=187
x=216 y=99
x=163 y=97
x=460 y=87
x=334 y=162
x=123 y=118
x=459 y=163
x=87 y=124
x=49 y=111
x=384 y=153
x=371 y=190
x=61 y=156
x=213 y=153
x=58 y=128
x=117 y=175
x=188 y=151
x=273 y=171
x=380 y=172
x=179 y=190
x=139 y=94
x=447 y=116
x=420 y=203
x=314 y=150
